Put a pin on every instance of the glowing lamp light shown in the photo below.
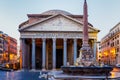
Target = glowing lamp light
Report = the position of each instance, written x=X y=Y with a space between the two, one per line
x=105 y=53
x=112 y=50
x=7 y=65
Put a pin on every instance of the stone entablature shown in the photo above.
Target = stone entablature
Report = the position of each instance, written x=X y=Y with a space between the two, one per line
x=56 y=35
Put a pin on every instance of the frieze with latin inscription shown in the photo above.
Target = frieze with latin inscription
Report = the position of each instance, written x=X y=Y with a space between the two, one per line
x=52 y=35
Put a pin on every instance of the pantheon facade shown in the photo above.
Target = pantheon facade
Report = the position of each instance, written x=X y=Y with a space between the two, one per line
x=52 y=39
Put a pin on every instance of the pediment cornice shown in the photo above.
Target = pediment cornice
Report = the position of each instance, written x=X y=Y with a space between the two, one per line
x=79 y=23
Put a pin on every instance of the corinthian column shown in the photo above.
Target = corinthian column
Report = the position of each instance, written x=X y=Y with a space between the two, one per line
x=54 y=53
x=95 y=48
x=75 y=50
x=43 y=53
x=33 y=54
x=65 y=52
x=23 y=54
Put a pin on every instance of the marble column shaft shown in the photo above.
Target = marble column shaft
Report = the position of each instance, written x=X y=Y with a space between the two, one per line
x=54 y=53
x=43 y=53
x=75 y=50
x=28 y=56
x=95 y=49
x=65 y=52
x=23 y=54
x=33 y=54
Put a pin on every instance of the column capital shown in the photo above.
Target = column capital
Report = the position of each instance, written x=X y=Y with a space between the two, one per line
x=75 y=39
x=33 y=39
x=54 y=39
x=22 y=38
x=22 y=41
x=95 y=40
x=43 y=39
x=65 y=39
x=92 y=40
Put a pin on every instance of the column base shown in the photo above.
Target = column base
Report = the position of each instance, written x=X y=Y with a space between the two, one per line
x=43 y=69
x=24 y=69
x=33 y=69
x=53 y=69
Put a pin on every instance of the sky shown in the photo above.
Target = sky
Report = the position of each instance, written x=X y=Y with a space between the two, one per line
x=103 y=14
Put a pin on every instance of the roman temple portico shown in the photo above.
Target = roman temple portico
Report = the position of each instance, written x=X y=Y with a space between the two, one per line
x=52 y=39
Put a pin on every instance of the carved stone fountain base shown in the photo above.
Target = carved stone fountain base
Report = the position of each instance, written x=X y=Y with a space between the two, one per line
x=95 y=71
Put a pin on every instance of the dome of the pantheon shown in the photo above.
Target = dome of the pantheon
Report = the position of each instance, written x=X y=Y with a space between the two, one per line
x=54 y=12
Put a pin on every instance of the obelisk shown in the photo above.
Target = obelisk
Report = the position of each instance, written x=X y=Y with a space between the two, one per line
x=86 y=51
x=85 y=25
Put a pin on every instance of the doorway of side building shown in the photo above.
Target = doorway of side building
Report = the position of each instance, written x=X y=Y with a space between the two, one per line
x=59 y=58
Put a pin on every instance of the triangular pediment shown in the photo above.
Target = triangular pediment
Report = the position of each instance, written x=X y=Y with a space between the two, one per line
x=57 y=23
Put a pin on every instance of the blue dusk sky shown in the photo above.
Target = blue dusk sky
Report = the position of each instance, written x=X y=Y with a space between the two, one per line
x=103 y=14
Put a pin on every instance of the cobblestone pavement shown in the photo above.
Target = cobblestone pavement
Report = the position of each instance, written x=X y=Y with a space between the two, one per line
x=20 y=75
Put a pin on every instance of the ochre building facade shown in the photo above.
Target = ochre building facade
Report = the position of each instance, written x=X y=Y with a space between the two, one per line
x=8 y=49
x=110 y=46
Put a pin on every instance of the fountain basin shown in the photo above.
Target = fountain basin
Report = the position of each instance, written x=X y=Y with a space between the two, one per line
x=94 y=70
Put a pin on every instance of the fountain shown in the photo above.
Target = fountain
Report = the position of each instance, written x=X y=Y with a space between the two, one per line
x=85 y=64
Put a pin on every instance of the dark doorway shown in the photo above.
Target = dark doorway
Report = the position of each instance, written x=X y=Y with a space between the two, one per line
x=59 y=58
x=38 y=57
x=78 y=50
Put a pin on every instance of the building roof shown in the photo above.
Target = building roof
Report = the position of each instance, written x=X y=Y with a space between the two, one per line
x=54 y=12
x=62 y=15
x=51 y=13
x=115 y=26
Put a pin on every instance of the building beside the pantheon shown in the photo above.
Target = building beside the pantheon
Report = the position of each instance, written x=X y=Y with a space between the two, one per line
x=110 y=46
x=52 y=39
x=8 y=49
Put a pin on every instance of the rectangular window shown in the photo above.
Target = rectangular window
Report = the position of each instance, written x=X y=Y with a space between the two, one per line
x=117 y=41
x=118 y=36
x=117 y=49
x=1 y=51
x=113 y=43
